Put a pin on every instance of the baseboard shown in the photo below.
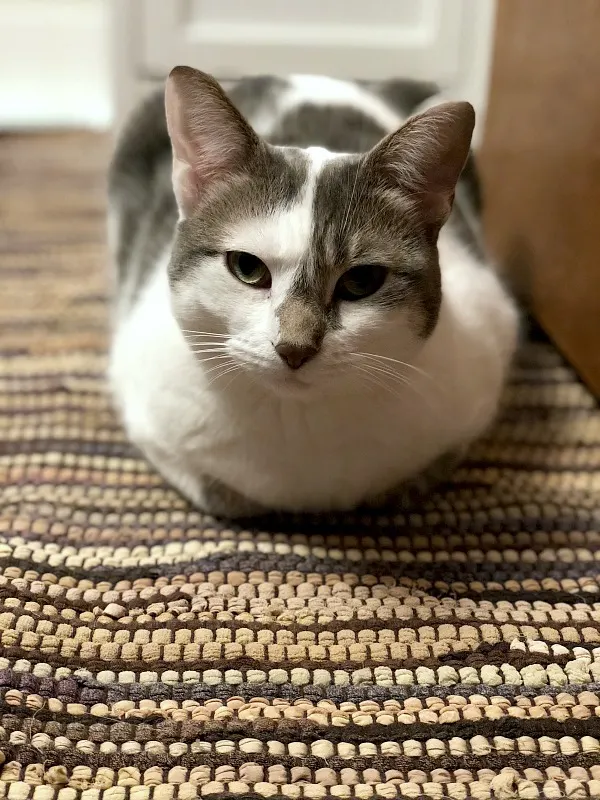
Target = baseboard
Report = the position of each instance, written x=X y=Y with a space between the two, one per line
x=54 y=64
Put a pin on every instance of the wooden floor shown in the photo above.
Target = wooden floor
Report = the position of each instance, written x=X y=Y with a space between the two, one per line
x=52 y=240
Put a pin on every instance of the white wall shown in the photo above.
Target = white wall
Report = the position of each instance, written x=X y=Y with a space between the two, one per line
x=55 y=55
x=54 y=64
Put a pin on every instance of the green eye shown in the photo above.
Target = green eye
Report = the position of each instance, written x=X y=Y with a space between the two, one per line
x=360 y=282
x=248 y=269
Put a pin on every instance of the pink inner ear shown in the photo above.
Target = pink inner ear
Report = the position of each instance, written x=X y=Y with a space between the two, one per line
x=426 y=157
x=436 y=205
x=186 y=187
x=210 y=138
x=197 y=170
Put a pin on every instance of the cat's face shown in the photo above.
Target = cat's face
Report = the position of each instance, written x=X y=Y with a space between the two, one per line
x=305 y=268
x=306 y=264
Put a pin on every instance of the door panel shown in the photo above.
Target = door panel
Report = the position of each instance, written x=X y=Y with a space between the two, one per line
x=380 y=38
x=407 y=12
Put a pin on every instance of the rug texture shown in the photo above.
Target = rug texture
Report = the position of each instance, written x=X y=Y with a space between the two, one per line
x=148 y=652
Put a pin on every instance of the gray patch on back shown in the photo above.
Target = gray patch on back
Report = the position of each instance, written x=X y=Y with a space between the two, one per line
x=256 y=94
x=342 y=129
x=403 y=94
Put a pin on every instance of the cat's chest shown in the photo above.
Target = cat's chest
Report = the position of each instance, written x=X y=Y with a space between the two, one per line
x=327 y=452
x=294 y=453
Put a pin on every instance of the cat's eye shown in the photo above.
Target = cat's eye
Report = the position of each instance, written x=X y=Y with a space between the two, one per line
x=360 y=282
x=248 y=269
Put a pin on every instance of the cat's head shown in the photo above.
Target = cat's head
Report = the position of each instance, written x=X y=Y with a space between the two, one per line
x=302 y=266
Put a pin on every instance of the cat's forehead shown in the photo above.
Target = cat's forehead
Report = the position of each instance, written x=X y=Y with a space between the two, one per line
x=282 y=228
x=310 y=215
x=324 y=209
x=307 y=208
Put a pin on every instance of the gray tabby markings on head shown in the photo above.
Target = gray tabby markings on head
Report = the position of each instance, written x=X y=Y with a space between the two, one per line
x=385 y=207
x=365 y=208
x=405 y=188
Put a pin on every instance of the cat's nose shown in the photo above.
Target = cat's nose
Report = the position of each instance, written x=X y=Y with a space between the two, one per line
x=295 y=355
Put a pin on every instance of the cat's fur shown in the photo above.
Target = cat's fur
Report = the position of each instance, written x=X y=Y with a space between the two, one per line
x=401 y=380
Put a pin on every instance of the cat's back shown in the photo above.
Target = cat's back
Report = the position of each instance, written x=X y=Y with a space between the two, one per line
x=318 y=111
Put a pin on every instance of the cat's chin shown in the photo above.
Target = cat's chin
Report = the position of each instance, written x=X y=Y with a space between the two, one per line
x=314 y=387
x=288 y=384
x=302 y=384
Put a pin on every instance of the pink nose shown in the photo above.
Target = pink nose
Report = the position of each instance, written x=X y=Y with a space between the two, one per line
x=295 y=355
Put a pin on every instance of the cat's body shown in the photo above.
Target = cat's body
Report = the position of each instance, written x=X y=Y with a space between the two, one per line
x=342 y=430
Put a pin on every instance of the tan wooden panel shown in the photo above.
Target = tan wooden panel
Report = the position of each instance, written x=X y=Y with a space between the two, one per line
x=541 y=166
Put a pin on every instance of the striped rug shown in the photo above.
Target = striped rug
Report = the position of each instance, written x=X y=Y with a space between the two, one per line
x=147 y=651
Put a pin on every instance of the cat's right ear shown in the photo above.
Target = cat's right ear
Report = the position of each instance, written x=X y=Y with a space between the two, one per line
x=210 y=138
x=425 y=157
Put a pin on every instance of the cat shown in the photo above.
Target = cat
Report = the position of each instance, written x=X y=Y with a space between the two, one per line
x=305 y=320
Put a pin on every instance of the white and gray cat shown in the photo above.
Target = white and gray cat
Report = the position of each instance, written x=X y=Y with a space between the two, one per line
x=297 y=328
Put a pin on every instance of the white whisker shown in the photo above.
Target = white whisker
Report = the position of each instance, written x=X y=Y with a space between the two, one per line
x=228 y=363
x=376 y=381
x=373 y=380
x=388 y=372
x=207 y=349
x=206 y=333
x=212 y=358
x=222 y=374
x=395 y=361
x=231 y=380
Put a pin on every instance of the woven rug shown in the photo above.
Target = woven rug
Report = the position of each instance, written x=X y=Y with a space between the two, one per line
x=148 y=652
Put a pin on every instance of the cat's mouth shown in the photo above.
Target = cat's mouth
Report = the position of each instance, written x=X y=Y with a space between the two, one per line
x=286 y=383
x=278 y=378
x=292 y=380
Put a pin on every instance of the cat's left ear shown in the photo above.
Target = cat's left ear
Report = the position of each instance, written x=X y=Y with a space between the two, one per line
x=211 y=140
x=425 y=157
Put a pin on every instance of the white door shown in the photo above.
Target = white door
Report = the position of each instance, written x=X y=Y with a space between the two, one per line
x=370 y=39
x=446 y=41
